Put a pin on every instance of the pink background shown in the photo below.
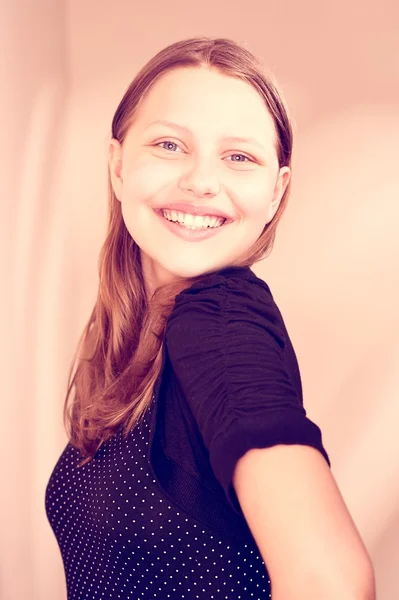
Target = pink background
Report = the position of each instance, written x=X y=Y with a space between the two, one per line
x=333 y=272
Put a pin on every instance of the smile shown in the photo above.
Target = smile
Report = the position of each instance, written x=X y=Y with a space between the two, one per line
x=190 y=235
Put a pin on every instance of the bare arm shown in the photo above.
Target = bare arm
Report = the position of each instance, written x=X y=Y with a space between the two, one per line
x=302 y=527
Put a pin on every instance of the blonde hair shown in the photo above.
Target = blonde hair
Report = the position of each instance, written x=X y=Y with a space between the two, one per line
x=119 y=354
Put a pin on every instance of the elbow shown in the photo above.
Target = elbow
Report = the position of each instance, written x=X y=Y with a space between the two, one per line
x=361 y=585
x=358 y=585
x=365 y=588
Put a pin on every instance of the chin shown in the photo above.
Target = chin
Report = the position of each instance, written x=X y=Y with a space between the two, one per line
x=185 y=271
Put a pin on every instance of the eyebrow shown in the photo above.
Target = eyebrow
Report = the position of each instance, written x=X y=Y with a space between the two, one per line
x=223 y=139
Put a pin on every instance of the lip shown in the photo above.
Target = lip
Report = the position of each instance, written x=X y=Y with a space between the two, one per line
x=197 y=209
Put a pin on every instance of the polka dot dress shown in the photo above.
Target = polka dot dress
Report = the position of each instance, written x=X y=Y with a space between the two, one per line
x=121 y=537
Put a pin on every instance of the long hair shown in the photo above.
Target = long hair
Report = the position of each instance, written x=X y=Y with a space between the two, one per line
x=119 y=354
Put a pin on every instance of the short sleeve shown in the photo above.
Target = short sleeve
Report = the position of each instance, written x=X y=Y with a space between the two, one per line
x=228 y=350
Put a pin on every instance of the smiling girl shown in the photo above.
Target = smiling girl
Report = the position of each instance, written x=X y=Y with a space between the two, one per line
x=192 y=470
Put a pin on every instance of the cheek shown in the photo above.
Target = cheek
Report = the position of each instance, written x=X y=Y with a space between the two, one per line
x=254 y=201
x=145 y=181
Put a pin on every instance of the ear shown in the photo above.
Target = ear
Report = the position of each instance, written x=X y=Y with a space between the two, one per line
x=115 y=164
x=283 y=179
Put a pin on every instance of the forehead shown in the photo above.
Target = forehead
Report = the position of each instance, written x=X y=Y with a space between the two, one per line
x=208 y=103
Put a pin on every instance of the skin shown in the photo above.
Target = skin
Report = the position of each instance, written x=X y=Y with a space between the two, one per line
x=160 y=164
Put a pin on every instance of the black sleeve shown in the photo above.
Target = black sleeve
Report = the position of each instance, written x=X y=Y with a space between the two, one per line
x=227 y=347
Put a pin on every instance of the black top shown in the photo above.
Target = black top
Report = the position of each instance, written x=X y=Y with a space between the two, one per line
x=164 y=521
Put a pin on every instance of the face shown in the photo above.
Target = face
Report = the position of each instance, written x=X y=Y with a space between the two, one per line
x=191 y=162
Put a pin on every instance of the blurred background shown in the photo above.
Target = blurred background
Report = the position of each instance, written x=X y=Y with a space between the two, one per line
x=333 y=272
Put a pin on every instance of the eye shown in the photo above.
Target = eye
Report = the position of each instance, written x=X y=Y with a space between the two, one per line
x=243 y=155
x=235 y=154
x=166 y=142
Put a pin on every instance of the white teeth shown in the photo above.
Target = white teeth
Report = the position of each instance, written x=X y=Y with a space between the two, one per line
x=192 y=221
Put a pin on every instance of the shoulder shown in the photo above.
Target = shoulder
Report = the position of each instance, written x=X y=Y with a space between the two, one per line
x=224 y=300
x=238 y=281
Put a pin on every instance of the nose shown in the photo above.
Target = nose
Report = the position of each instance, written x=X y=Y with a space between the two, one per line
x=201 y=181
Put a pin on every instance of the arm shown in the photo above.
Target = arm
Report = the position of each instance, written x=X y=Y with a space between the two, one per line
x=301 y=525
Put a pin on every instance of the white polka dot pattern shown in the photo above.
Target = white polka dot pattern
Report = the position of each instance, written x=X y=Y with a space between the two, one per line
x=121 y=537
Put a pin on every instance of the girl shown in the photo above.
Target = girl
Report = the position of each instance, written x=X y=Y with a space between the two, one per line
x=192 y=470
